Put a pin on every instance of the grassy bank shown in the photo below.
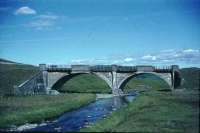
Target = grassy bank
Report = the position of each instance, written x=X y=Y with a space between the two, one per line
x=20 y=110
x=154 y=111
x=86 y=83
x=14 y=74
x=191 y=78
x=145 y=82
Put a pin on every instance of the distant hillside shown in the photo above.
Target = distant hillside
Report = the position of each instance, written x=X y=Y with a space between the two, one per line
x=191 y=77
x=14 y=74
x=143 y=81
x=4 y=61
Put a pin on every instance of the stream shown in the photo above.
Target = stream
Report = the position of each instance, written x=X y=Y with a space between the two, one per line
x=83 y=117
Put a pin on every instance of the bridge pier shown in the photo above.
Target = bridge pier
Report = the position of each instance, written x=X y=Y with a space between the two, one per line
x=45 y=80
x=115 y=88
x=176 y=79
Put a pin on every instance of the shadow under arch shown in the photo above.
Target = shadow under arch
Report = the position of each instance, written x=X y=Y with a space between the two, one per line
x=126 y=80
x=60 y=82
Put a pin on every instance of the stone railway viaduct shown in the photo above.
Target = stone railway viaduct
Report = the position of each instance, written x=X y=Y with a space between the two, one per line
x=54 y=76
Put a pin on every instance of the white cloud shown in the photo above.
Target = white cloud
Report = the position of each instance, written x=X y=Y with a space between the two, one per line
x=41 y=22
x=77 y=61
x=190 y=51
x=25 y=10
x=184 y=58
x=149 y=57
x=52 y=17
x=128 y=59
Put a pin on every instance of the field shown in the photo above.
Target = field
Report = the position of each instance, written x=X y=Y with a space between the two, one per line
x=157 y=109
x=154 y=111
x=86 y=83
x=14 y=74
x=191 y=78
x=21 y=110
x=145 y=82
x=17 y=110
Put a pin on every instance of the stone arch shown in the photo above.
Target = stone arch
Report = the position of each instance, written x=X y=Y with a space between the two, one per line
x=104 y=78
x=60 y=82
x=164 y=76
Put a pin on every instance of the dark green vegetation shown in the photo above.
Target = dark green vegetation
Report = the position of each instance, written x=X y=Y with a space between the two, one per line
x=87 y=83
x=6 y=61
x=154 y=111
x=191 y=78
x=20 y=110
x=14 y=74
x=145 y=82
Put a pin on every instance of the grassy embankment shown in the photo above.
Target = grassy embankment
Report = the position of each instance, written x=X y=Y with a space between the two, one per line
x=153 y=112
x=20 y=110
x=88 y=83
x=157 y=111
x=14 y=74
x=145 y=82
x=191 y=78
x=85 y=83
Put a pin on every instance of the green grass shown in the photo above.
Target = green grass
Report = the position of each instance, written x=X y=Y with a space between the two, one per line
x=14 y=74
x=6 y=61
x=145 y=82
x=154 y=111
x=92 y=84
x=191 y=78
x=87 y=83
x=21 y=110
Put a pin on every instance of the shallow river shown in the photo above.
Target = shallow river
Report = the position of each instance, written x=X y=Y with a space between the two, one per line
x=75 y=120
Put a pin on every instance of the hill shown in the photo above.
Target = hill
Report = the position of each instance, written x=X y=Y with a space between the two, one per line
x=14 y=74
x=86 y=83
x=4 y=61
x=191 y=77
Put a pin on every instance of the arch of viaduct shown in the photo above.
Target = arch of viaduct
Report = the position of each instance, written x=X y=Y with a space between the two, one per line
x=115 y=76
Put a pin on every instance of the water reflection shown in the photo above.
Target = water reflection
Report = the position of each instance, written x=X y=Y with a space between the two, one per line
x=73 y=121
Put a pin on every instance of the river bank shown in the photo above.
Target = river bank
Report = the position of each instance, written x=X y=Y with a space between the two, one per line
x=31 y=109
x=154 y=111
x=79 y=118
x=75 y=120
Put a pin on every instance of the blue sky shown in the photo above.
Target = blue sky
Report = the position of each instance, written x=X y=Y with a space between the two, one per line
x=125 y=32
